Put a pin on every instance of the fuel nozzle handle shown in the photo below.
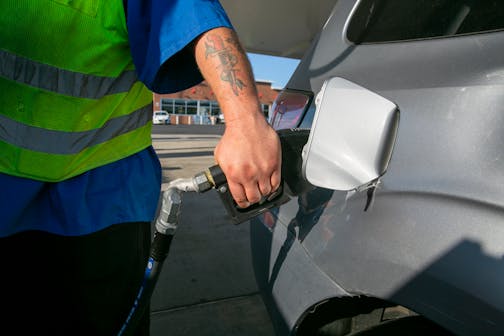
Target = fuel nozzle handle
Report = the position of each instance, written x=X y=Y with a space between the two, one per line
x=213 y=177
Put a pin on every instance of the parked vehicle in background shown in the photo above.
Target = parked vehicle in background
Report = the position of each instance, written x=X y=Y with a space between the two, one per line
x=160 y=118
x=220 y=119
x=420 y=250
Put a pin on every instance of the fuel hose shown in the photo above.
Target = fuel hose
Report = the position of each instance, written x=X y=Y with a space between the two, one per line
x=166 y=226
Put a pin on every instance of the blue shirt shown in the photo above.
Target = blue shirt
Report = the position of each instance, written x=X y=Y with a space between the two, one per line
x=126 y=190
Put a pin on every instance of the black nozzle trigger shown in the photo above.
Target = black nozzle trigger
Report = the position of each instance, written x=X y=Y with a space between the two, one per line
x=239 y=215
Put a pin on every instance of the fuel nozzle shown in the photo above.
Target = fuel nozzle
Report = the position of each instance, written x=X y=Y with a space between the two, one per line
x=213 y=177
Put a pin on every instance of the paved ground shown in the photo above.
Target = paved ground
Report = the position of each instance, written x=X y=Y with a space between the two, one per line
x=207 y=285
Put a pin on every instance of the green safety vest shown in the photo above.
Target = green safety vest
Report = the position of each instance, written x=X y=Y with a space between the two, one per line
x=70 y=99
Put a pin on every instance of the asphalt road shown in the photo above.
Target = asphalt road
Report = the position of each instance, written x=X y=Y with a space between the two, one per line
x=207 y=285
x=188 y=129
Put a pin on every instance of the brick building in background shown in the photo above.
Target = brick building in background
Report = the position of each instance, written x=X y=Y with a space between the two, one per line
x=198 y=105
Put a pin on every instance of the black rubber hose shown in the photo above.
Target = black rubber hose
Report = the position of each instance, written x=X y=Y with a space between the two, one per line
x=159 y=250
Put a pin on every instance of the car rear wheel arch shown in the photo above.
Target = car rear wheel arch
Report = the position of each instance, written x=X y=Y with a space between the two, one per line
x=363 y=316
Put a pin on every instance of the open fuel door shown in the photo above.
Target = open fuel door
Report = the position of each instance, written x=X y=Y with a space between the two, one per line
x=352 y=136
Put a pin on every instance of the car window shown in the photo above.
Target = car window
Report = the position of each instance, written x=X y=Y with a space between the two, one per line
x=375 y=21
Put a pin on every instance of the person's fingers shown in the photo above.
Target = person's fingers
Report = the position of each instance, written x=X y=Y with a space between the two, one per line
x=252 y=192
x=275 y=180
x=239 y=195
x=265 y=187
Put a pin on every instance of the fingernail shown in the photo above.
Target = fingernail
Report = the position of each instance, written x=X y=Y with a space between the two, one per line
x=245 y=205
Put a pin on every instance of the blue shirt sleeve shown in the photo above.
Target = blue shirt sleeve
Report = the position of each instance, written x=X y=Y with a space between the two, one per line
x=160 y=31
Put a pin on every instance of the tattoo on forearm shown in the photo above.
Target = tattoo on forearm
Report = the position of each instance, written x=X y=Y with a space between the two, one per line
x=235 y=44
x=215 y=47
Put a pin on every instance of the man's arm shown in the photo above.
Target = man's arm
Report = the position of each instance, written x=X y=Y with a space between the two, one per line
x=249 y=152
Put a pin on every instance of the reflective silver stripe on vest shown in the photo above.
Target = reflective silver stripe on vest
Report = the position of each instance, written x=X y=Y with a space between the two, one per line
x=47 y=77
x=60 y=142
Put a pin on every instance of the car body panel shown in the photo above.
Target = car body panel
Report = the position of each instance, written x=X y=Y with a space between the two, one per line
x=432 y=235
x=293 y=278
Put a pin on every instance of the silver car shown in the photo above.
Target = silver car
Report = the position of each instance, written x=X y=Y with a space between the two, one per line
x=417 y=249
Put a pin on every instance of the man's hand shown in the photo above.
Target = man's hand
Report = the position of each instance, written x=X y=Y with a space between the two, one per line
x=249 y=155
x=249 y=152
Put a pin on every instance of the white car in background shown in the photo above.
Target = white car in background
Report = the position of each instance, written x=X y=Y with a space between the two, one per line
x=160 y=118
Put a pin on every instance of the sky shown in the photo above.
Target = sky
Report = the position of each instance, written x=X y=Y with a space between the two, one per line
x=271 y=68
